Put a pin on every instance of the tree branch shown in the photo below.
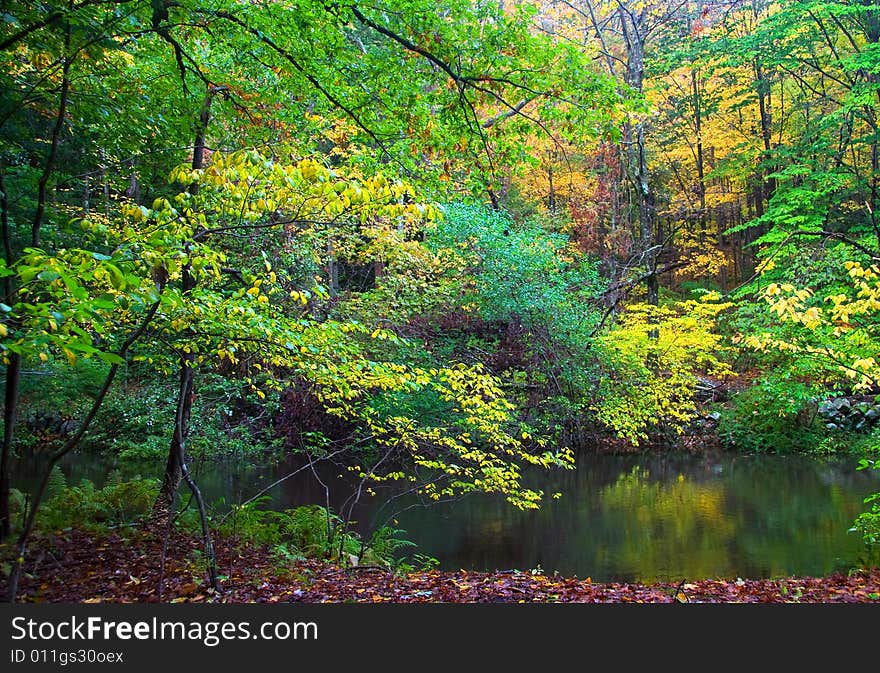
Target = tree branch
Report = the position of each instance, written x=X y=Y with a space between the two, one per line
x=49 y=167
x=300 y=69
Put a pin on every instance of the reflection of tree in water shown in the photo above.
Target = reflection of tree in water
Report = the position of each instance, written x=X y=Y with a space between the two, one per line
x=795 y=514
x=658 y=524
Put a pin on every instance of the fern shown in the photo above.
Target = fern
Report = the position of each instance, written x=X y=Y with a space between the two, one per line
x=57 y=482
x=385 y=546
x=84 y=505
x=310 y=531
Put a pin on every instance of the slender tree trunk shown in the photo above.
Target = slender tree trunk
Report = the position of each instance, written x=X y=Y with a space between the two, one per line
x=634 y=32
x=173 y=474
x=493 y=199
x=86 y=195
x=698 y=127
x=49 y=167
x=757 y=192
x=176 y=468
x=174 y=465
x=332 y=269
x=203 y=517
x=10 y=413
x=134 y=186
x=105 y=186
x=647 y=220
x=764 y=105
x=871 y=23
x=13 y=375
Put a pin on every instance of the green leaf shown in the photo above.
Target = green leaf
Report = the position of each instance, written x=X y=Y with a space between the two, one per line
x=117 y=279
x=110 y=358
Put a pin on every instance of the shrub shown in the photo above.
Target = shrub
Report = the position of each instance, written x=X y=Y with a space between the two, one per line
x=772 y=418
x=653 y=359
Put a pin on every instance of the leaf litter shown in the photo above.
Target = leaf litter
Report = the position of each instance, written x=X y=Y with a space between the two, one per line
x=77 y=566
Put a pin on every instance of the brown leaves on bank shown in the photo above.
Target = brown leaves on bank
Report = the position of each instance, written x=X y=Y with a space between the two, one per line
x=79 y=567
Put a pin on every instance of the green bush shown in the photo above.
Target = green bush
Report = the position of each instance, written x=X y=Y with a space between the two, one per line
x=774 y=419
x=521 y=272
x=867 y=524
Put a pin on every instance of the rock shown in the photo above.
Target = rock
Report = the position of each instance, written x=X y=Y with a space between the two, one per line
x=850 y=413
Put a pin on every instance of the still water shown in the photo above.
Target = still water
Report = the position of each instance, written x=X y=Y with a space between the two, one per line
x=642 y=517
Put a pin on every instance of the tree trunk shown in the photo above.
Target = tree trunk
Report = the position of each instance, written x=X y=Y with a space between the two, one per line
x=13 y=375
x=634 y=33
x=763 y=87
x=10 y=413
x=698 y=126
x=134 y=186
x=177 y=450
x=173 y=474
x=175 y=467
x=332 y=269
x=105 y=186
x=646 y=219
x=86 y=195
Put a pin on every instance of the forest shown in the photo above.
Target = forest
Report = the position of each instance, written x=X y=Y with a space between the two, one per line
x=490 y=300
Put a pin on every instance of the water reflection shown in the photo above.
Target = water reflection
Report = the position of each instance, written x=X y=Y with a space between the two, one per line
x=653 y=524
x=621 y=518
x=671 y=517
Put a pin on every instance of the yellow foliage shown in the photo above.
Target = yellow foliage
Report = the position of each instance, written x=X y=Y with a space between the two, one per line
x=655 y=356
x=701 y=257
x=839 y=333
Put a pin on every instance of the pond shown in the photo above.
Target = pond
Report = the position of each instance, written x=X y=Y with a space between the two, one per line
x=639 y=517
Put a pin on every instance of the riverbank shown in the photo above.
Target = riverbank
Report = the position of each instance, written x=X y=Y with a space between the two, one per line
x=77 y=566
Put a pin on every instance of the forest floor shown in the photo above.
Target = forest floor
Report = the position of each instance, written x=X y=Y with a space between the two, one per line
x=124 y=567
